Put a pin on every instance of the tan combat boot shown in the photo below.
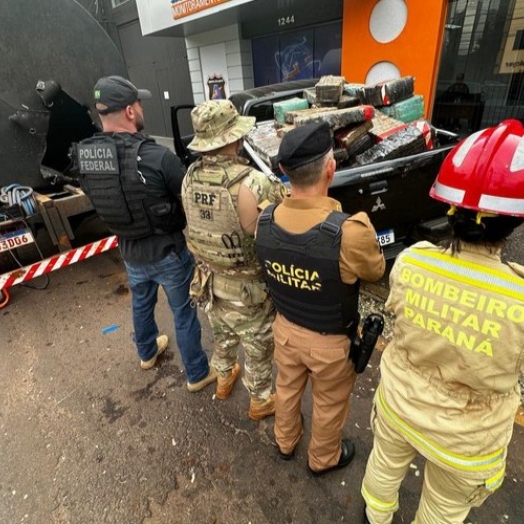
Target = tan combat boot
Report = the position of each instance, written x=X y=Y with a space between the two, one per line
x=261 y=408
x=161 y=346
x=225 y=384
x=201 y=384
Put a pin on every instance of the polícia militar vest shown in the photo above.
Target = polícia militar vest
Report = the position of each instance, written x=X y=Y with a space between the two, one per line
x=303 y=274
x=213 y=226
x=110 y=176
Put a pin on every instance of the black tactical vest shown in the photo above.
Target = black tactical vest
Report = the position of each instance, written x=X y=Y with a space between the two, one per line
x=110 y=176
x=303 y=274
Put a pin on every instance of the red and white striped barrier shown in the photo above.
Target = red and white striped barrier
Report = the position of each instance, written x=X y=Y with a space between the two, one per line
x=17 y=276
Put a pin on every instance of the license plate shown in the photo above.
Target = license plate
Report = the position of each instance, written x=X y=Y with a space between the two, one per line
x=15 y=239
x=386 y=237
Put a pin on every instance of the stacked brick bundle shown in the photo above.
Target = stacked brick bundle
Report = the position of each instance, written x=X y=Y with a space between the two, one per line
x=370 y=123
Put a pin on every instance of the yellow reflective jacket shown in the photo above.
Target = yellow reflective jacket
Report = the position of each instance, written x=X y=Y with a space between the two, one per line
x=450 y=375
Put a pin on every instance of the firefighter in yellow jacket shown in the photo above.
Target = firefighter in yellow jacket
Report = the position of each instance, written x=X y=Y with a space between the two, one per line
x=449 y=378
x=222 y=196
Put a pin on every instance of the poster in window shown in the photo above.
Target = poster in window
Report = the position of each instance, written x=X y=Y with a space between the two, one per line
x=214 y=71
x=216 y=87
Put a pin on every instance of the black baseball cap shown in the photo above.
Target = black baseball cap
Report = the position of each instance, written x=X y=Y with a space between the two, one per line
x=304 y=145
x=114 y=93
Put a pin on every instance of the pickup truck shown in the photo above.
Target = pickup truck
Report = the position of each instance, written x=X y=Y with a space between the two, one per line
x=394 y=193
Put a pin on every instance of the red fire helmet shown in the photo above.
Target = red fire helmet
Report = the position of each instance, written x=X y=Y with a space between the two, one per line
x=485 y=171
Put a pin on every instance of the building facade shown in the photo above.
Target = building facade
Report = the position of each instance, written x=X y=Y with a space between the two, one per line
x=156 y=63
x=233 y=45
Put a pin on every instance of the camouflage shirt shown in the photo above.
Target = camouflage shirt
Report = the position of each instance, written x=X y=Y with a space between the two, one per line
x=211 y=197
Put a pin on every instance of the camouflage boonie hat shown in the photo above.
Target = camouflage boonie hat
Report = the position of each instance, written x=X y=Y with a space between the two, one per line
x=216 y=124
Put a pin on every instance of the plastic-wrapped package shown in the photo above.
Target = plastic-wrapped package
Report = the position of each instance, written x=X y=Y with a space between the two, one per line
x=406 y=142
x=406 y=111
x=265 y=142
x=344 y=100
x=281 y=108
x=428 y=131
x=387 y=93
x=353 y=89
x=329 y=89
x=346 y=136
x=384 y=126
x=340 y=154
x=361 y=144
x=347 y=101
x=310 y=95
x=292 y=115
x=338 y=118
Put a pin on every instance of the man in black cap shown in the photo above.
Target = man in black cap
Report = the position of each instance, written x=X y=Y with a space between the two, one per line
x=314 y=257
x=134 y=185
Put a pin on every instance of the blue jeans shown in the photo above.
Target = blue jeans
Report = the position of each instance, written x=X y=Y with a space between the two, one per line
x=174 y=273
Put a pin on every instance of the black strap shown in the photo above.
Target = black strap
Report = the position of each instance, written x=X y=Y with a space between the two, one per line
x=331 y=229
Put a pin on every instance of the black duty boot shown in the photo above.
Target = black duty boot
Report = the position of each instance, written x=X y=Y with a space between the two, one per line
x=348 y=452
x=286 y=456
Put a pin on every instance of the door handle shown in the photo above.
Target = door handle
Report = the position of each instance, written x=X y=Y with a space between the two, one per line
x=375 y=188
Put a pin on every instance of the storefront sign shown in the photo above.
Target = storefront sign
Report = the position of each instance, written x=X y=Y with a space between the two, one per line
x=291 y=14
x=513 y=56
x=183 y=8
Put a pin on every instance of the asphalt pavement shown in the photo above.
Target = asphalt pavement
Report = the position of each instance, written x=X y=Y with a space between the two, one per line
x=86 y=436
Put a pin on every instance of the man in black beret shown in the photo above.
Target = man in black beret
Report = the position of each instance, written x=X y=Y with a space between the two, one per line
x=314 y=256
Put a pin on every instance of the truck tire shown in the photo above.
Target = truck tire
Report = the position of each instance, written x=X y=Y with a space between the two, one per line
x=4 y=298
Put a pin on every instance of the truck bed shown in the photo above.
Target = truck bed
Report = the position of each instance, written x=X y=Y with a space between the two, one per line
x=394 y=193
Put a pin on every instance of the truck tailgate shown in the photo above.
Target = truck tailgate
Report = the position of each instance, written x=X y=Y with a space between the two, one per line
x=395 y=193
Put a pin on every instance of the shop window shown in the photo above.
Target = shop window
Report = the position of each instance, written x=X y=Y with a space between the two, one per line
x=116 y=3
x=483 y=49
x=297 y=55
x=519 y=40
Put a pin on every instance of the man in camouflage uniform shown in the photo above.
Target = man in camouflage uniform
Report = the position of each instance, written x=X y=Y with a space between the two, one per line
x=223 y=196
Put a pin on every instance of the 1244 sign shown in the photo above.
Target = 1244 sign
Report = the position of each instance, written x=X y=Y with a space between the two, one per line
x=286 y=20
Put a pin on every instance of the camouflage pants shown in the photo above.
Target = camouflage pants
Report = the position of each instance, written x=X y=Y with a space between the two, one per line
x=234 y=323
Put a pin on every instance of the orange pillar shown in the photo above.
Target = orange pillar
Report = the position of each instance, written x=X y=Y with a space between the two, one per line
x=414 y=52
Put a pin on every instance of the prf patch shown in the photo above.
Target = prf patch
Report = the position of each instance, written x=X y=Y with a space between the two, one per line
x=207 y=202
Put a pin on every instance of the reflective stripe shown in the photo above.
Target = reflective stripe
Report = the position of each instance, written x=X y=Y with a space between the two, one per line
x=377 y=504
x=464 y=148
x=462 y=462
x=502 y=204
x=517 y=162
x=489 y=279
x=496 y=480
x=448 y=193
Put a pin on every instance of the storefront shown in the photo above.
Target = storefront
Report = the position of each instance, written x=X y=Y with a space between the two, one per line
x=482 y=54
x=234 y=45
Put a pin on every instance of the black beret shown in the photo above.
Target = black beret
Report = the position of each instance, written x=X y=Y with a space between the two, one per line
x=304 y=145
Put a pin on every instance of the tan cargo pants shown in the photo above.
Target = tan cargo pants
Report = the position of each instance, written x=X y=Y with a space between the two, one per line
x=301 y=354
x=446 y=498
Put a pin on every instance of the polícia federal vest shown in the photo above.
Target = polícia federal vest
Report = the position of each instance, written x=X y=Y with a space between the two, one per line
x=110 y=176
